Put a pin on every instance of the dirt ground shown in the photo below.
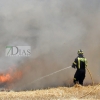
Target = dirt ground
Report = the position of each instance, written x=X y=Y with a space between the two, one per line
x=59 y=93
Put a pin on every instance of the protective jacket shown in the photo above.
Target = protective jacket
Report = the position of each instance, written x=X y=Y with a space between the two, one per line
x=80 y=63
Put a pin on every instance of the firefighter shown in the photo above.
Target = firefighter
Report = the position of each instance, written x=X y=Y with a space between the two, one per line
x=80 y=64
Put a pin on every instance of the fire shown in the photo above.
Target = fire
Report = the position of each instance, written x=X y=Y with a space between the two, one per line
x=5 y=78
x=10 y=77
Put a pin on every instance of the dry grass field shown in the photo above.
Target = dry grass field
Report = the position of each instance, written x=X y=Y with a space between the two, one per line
x=60 y=93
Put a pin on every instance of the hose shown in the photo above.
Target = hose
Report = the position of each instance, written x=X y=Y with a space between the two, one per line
x=45 y=76
x=92 y=84
x=90 y=76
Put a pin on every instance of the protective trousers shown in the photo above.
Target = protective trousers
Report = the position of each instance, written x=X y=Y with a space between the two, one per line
x=79 y=77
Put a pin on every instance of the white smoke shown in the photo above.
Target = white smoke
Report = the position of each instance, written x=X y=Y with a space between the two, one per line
x=55 y=29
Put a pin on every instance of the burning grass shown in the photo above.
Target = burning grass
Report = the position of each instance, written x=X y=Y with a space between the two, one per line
x=60 y=93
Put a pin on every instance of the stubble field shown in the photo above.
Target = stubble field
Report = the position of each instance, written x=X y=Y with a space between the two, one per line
x=59 y=93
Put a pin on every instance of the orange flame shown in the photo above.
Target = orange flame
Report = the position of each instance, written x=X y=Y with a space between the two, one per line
x=5 y=78
x=10 y=77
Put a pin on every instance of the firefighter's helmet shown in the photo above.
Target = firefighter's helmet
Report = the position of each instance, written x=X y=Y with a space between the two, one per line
x=80 y=52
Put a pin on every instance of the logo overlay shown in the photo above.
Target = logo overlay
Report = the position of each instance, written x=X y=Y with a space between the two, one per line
x=18 y=51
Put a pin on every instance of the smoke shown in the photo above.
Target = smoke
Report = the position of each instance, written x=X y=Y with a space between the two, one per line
x=55 y=30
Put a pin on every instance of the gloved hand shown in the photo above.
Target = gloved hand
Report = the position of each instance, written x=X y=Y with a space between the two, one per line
x=73 y=66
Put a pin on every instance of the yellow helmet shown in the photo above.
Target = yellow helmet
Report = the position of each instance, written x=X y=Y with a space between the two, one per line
x=80 y=52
